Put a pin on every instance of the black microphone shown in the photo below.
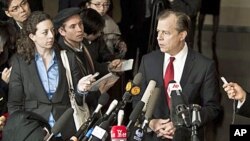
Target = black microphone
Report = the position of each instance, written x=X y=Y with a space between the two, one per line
x=133 y=87
x=146 y=96
x=131 y=90
x=103 y=99
x=135 y=114
x=182 y=134
x=100 y=132
x=196 y=121
x=57 y=128
x=103 y=118
x=137 y=133
x=179 y=110
x=108 y=112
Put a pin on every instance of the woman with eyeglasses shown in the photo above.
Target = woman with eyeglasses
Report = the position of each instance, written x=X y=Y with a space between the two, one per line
x=17 y=10
x=38 y=81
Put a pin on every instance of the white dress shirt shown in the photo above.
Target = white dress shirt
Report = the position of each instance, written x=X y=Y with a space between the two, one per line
x=178 y=63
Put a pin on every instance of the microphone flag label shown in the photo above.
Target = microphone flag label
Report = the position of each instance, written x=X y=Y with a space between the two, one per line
x=129 y=86
x=173 y=87
x=134 y=90
x=119 y=132
x=137 y=134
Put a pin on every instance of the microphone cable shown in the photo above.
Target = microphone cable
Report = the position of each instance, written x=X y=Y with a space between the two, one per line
x=234 y=111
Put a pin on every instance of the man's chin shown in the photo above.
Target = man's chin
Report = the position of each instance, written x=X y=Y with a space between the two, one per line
x=163 y=50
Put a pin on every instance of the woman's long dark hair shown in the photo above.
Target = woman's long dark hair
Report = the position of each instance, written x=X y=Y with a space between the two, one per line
x=25 y=46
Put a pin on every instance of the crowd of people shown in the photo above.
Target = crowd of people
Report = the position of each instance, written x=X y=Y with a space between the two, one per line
x=33 y=77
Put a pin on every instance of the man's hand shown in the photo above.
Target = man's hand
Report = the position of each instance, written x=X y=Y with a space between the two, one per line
x=6 y=75
x=108 y=83
x=163 y=128
x=234 y=91
x=115 y=65
x=2 y=122
x=85 y=83
x=122 y=47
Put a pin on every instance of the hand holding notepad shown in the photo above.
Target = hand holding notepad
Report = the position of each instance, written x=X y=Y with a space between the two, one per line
x=105 y=82
x=124 y=65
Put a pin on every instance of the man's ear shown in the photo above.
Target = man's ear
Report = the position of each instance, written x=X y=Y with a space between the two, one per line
x=61 y=31
x=8 y=14
x=183 y=35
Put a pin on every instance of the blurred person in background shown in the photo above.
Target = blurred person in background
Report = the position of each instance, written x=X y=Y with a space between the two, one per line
x=7 y=41
x=111 y=32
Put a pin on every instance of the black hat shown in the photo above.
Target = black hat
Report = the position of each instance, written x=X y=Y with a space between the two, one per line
x=64 y=14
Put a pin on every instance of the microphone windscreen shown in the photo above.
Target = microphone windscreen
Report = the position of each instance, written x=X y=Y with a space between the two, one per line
x=62 y=121
x=120 y=117
x=105 y=125
x=147 y=93
x=103 y=99
x=137 y=79
x=111 y=106
x=182 y=134
x=152 y=102
x=137 y=111
x=126 y=96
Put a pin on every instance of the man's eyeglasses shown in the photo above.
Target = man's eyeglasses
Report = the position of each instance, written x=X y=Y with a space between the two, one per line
x=99 y=5
x=21 y=5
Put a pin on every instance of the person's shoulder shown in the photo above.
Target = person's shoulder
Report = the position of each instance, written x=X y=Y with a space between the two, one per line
x=155 y=53
x=108 y=18
x=198 y=56
x=110 y=25
x=16 y=56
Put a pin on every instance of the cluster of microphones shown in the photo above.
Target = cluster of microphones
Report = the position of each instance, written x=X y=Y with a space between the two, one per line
x=184 y=116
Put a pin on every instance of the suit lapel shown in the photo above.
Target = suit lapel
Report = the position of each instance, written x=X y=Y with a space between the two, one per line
x=41 y=94
x=159 y=71
x=58 y=95
x=187 y=67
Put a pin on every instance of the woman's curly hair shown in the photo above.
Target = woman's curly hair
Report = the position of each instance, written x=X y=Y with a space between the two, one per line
x=25 y=46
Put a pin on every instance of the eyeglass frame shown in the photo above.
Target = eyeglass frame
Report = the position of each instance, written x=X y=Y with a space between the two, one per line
x=98 y=5
x=21 y=5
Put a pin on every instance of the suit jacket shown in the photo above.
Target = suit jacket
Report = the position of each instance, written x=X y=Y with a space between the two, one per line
x=199 y=84
x=26 y=91
x=244 y=109
x=99 y=54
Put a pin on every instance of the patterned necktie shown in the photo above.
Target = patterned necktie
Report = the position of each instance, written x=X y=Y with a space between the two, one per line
x=169 y=75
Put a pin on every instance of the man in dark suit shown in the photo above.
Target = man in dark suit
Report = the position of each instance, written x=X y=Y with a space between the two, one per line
x=235 y=91
x=196 y=74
